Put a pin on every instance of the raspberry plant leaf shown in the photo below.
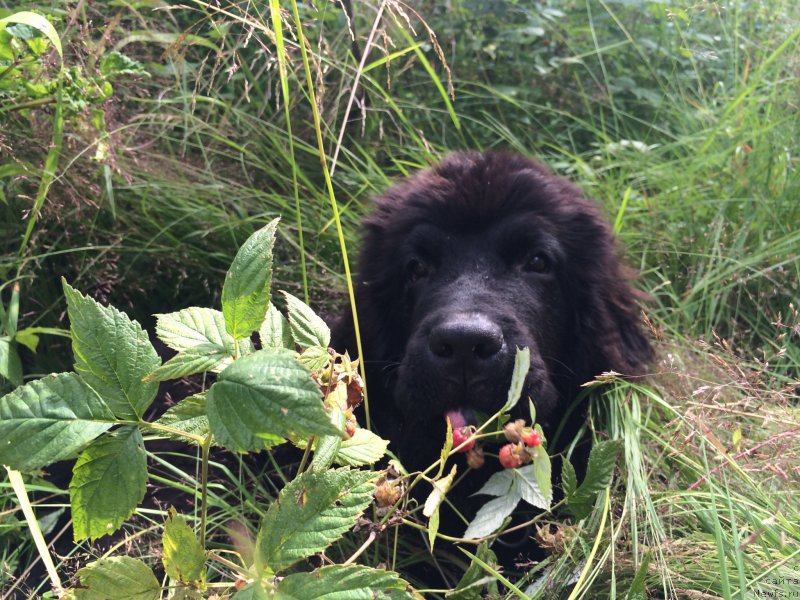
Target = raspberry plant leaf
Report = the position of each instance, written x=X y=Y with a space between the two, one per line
x=184 y=558
x=275 y=331
x=599 y=472
x=328 y=446
x=310 y=513
x=112 y=354
x=50 y=419
x=307 y=328
x=10 y=363
x=492 y=515
x=117 y=578
x=265 y=394
x=339 y=582
x=245 y=293
x=201 y=358
x=195 y=327
x=364 y=448
x=569 y=480
x=522 y=364
x=108 y=483
x=533 y=485
x=187 y=416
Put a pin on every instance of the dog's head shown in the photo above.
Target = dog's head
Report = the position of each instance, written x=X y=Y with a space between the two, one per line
x=465 y=262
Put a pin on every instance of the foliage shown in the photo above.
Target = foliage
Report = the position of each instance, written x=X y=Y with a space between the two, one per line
x=138 y=158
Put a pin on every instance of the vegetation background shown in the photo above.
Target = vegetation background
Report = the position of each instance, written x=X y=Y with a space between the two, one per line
x=178 y=130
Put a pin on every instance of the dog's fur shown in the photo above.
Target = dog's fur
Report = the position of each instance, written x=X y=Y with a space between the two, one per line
x=466 y=261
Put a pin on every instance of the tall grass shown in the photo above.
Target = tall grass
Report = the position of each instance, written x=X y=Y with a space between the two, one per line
x=680 y=119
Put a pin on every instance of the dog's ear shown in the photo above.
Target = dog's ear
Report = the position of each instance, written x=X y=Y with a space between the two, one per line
x=609 y=316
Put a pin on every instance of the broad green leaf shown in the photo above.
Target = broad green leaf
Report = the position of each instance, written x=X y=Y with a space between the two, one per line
x=528 y=487
x=491 y=516
x=205 y=357
x=39 y=22
x=328 y=445
x=48 y=420
x=364 y=448
x=314 y=358
x=307 y=328
x=522 y=364
x=275 y=331
x=112 y=353
x=245 y=293
x=108 y=483
x=265 y=394
x=184 y=558
x=499 y=484
x=310 y=513
x=195 y=327
x=343 y=582
x=10 y=363
x=569 y=480
x=117 y=578
x=115 y=64
x=188 y=416
x=191 y=327
x=599 y=472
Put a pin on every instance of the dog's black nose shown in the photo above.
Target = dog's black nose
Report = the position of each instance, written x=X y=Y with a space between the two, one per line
x=466 y=340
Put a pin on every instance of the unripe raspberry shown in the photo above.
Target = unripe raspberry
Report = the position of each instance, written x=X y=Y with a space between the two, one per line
x=532 y=439
x=509 y=458
x=461 y=435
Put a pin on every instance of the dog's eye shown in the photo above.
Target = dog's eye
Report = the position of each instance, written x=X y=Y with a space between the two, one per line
x=416 y=270
x=538 y=263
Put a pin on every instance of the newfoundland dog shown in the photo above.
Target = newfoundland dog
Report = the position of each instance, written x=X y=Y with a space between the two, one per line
x=466 y=261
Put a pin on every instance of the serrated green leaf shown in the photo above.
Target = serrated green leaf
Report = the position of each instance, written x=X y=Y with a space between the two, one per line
x=184 y=558
x=328 y=446
x=310 y=513
x=189 y=416
x=108 y=483
x=117 y=578
x=265 y=393
x=48 y=420
x=339 y=582
x=528 y=487
x=245 y=293
x=307 y=328
x=10 y=363
x=600 y=470
x=254 y=591
x=492 y=515
x=195 y=327
x=522 y=364
x=314 y=358
x=364 y=448
x=499 y=484
x=112 y=354
x=275 y=331
x=201 y=358
x=569 y=480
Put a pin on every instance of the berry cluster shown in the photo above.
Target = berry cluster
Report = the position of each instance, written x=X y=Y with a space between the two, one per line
x=522 y=447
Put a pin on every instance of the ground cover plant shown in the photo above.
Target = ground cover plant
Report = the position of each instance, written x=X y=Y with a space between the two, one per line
x=138 y=158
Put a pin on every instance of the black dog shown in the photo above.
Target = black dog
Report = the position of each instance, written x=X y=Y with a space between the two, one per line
x=464 y=262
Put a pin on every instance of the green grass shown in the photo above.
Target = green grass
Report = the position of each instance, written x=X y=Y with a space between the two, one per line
x=680 y=120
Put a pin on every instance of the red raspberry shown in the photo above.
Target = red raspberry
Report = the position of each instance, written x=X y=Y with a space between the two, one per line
x=508 y=458
x=532 y=439
x=461 y=435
